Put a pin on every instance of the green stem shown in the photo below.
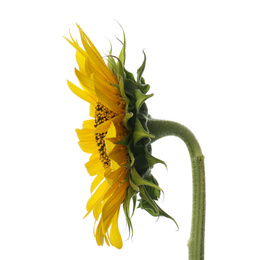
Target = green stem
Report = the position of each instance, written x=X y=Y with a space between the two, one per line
x=161 y=128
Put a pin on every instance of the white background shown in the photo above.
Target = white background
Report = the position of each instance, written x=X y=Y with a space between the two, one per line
x=209 y=65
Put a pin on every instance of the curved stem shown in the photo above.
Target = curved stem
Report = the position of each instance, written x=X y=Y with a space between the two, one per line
x=161 y=128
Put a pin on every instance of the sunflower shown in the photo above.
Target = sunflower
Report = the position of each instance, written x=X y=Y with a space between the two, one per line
x=117 y=137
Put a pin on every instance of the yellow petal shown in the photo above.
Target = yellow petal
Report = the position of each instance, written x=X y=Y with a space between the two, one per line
x=113 y=204
x=96 y=182
x=119 y=154
x=94 y=165
x=81 y=62
x=76 y=46
x=102 y=128
x=100 y=191
x=85 y=134
x=114 y=166
x=91 y=68
x=109 y=145
x=115 y=236
x=90 y=44
x=79 y=92
x=92 y=110
x=89 y=146
x=114 y=175
x=117 y=129
x=88 y=124
x=119 y=179
x=95 y=56
x=107 y=239
x=98 y=208
x=99 y=234
x=86 y=83
x=105 y=84
x=118 y=119
x=111 y=133
x=108 y=100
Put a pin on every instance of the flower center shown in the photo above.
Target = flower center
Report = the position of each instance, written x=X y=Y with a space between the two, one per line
x=102 y=114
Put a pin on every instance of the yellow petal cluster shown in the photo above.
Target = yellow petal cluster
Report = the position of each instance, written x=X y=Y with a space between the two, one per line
x=99 y=137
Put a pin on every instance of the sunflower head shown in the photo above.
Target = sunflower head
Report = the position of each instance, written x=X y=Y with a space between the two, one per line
x=117 y=137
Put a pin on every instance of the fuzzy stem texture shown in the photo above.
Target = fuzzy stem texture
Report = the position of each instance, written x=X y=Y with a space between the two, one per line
x=161 y=128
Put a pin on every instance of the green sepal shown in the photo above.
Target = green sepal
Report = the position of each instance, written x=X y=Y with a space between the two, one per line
x=122 y=90
x=153 y=193
x=144 y=88
x=127 y=165
x=147 y=207
x=153 y=207
x=133 y=92
x=141 y=69
x=133 y=185
x=164 y=214
x=134 y=204
x=121 y=78
x=111 y=62
x=153 y=160
x=131 y=194
x=115 y=85
x=130 y=87
x=150 y=209
x=130 y=153
x=139 y=132
x=125 y=140
x=129 y=75
x=140 y=98
x=127 y=116
x=122 y=55
x=139 y=181
x=142 y=81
